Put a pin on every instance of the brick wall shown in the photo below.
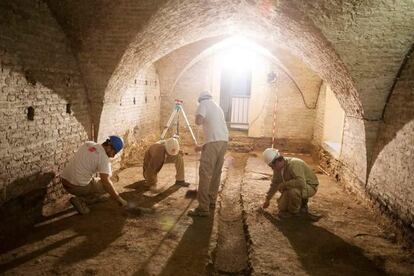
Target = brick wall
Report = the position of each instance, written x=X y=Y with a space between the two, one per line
x=371 y=38
x=391 y=178
x=37 y=70
x=196 y=79
x=136 y=117
x=99 y=32
x=319 y=116
x=350 y=166
x=294 y=119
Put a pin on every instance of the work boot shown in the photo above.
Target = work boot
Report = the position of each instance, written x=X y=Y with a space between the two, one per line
x=198 y=213
x=80 y=205
x=304 y=206
x=182 y=183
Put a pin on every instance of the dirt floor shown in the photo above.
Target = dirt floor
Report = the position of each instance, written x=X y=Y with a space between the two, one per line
x=342 y=237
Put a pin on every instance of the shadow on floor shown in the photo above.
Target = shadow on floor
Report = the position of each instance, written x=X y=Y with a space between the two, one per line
x=98 y=230
x=21 y=206
x=139 y=199
x=190 y=257
x=138 y=186
x=322 y=252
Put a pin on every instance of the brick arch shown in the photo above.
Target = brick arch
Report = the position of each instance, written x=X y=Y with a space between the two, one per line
x=178 y=23
x=190 y=22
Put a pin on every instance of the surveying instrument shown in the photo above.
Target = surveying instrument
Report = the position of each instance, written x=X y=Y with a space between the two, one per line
x=175 y=117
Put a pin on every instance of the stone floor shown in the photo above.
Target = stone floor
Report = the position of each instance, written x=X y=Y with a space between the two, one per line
x=342 y=237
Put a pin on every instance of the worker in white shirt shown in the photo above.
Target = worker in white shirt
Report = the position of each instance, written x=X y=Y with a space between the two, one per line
x=78 y=176
x=216 y=134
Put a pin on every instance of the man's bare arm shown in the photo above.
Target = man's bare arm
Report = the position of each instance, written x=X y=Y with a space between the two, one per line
x=109 y=188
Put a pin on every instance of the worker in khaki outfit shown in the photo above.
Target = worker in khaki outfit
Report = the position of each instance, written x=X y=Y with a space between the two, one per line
x=157 y=155
x=294 y=179
x=77 y=177
x=216 y=134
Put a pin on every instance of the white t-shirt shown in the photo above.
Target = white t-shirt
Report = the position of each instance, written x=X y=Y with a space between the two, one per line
x=214 y=126
x=90 y=158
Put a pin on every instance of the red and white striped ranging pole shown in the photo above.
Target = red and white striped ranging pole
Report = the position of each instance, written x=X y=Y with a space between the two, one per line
x=274 y=119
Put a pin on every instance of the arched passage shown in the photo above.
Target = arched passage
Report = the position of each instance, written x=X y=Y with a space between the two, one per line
x=281 y=25
x=185 y=74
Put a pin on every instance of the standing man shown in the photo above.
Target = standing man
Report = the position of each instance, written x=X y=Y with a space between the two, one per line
x=77 y=177
x=294 y=179
x=216 y=135
x=167 y=151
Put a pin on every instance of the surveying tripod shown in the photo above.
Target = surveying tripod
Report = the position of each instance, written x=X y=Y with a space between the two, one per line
x=175 y=116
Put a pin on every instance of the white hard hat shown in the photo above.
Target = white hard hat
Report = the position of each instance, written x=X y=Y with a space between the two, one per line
x=205 y=95
x=270 y=154
x=172 y=146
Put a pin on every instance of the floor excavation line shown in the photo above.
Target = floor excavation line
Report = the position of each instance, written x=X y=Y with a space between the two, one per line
x=231 y=251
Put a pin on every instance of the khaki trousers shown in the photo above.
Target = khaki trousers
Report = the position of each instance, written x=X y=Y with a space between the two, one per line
x=211 y=163
x=291 y=199
x=150 y=174
x=90 y=192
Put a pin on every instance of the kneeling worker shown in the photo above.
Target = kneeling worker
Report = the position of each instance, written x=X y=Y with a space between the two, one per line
x=77 y=177
x=167 y=151
x=294 y=179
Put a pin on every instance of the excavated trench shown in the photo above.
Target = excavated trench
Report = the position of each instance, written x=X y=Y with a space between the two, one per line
x=230 y=254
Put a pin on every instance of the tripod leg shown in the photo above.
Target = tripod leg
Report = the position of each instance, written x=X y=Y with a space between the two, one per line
x=170 y=120
x=189 y=126
x=178 y=125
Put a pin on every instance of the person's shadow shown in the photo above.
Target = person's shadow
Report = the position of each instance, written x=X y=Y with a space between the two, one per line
x=21 y=207
x=98 y=230
x=139 y=199
x=190 y=257
x=322 y=252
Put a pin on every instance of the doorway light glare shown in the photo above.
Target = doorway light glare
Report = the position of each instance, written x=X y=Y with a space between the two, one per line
x=237 y=59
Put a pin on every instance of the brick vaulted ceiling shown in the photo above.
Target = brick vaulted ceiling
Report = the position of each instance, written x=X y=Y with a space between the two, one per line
x=353 y=45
